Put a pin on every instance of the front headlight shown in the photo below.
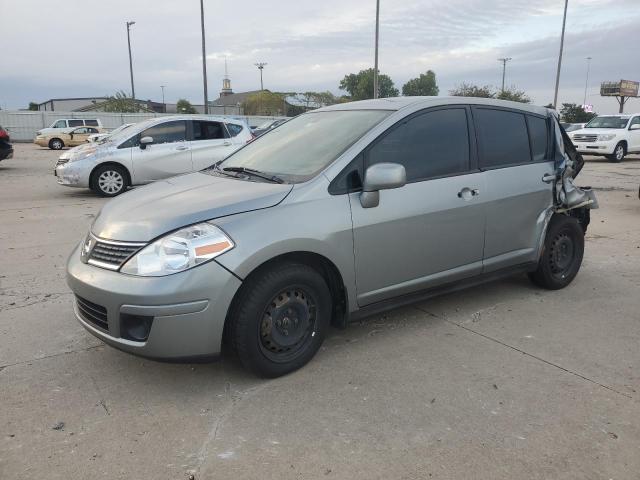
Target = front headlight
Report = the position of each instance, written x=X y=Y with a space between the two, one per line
x=178 y=251
x=605 y=137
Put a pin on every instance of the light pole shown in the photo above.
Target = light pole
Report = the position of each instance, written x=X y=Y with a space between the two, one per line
x=164 y=105
x=504 y=69
x=204 y=60
x=564 y=22
x=261 y=66
x=133 y=90
x=586 y=83
x=375 y=63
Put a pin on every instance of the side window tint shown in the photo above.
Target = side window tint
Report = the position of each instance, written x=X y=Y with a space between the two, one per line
x=132 y=142
x=430 y=145
x=208 y=130
x=93 y=123
x=502 y=138
x=167 y=132
x=76 y=123
x=539 y=135
x=234 y=129
x=60 y=124
x=81 y=130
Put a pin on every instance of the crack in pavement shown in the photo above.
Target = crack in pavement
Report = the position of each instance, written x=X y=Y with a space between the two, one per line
x=46 y=357
x=579 y=375
x=53 y=296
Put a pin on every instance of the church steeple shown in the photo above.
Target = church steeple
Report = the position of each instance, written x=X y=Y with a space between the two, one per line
x=226 y=82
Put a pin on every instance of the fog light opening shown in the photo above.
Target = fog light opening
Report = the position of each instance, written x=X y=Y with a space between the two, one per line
x=135 y=327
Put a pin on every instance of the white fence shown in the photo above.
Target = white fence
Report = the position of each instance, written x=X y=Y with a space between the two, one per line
x=23 y=125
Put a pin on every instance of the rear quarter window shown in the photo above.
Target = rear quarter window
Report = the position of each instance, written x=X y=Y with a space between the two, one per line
x=503 y=139
x=234 y=129
x=539 y=137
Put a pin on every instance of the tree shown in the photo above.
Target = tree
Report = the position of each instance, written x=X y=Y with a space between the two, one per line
x=265 y=103
x=120 y=102
x=184 y=106
x=470 y=90
x=573 y=113
x=425 y=85
x=513 y=94
x=33 y=106
x=360 y=85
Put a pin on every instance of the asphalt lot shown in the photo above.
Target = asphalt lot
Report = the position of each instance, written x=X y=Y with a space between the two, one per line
x=502 y=381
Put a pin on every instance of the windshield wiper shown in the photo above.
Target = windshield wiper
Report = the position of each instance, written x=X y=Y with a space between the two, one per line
x=254 y=173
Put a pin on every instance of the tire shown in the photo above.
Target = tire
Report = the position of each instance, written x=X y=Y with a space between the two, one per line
x=109 y=180
x=618 y=153
x=56 y=144
x=562 y=254
x=280 y=318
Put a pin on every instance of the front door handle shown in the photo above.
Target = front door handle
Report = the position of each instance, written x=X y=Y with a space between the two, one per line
x=548 y=177
x=182 y=147
x=226 y=144
x=466 y=193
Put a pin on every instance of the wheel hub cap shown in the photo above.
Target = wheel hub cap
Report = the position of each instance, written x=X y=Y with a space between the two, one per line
x=110 y=181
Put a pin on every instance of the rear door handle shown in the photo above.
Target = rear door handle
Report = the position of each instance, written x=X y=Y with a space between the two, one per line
x=548 y=177
x=226 y=144
x=182 y=147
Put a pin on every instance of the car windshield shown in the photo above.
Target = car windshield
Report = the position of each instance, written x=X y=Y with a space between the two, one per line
x=300 y=148
x=608 y=122
x=114 y=134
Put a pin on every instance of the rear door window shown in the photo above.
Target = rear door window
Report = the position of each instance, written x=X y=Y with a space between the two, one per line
x=539 y=137
x=208 y=130
x=502 y=138
x=167 y=132
x=76 y=123
x=431 y=144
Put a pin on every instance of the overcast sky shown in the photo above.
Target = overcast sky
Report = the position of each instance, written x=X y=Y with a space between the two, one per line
x=72 y=48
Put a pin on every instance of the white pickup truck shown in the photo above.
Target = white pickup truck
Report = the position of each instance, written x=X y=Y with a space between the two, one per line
x=613 y=136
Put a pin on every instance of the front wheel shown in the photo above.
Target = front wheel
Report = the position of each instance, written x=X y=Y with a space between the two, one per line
x=618 y=153
x=56 y=144
x=561 y=254
x=280 y=318
x=109 y=180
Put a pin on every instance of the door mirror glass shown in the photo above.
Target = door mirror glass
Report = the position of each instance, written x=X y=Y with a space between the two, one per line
x=381 y=176
x=144 y=141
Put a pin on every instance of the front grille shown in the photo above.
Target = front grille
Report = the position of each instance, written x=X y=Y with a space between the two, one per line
x=93 y=313
x=583 y=137
x=112 y=255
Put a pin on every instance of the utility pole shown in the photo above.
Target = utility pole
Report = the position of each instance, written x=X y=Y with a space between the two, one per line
x=564 y=22
x=164 y=105
x=586 y=83
x=375 y=63
x=204 y=60
x=261 y=66
x=133 y=90
x=504 y=69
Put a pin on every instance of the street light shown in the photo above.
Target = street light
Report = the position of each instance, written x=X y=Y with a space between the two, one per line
x=133 y=90
x=164 y=105
x=586 y=83
x=564 y=22
x=261 y=66
x=375 y=63
x=504 y=68
x=204 y=59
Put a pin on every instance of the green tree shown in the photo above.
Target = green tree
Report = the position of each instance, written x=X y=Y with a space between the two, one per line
x=360 y=85
x=184 y=106
x=120 y=102
x=33 y=106
x=573 y=113
x=425 y=85
x=470 y=90
x=266 y=103
x=513 y=94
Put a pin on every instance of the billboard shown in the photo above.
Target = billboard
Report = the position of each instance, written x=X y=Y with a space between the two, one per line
x=628 y=88
x=623 y=88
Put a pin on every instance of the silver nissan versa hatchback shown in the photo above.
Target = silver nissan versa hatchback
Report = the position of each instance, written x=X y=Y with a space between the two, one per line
x=336 y=214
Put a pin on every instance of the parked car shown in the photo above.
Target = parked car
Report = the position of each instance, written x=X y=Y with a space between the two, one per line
x=6 y=149
x=270 y=125
x=152 y=150
x=64 y=123
x=68 y=137
x=338 y=213
x=101 y=136
x=613 y=136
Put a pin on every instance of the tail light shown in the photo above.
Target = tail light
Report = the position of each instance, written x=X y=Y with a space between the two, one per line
x=4 y=134
x=253 y=137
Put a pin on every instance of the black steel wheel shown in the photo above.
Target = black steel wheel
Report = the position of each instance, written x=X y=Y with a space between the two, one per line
x=279 y=318
x=561 y=255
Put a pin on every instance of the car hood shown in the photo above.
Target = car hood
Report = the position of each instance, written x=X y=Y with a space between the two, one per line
x=148 y=212
x=596 y=131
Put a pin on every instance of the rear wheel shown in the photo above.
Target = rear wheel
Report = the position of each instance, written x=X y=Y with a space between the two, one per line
x=56 y=144
x=280 y=319
x=561 y=254
x=618 y=153
x=109 y=180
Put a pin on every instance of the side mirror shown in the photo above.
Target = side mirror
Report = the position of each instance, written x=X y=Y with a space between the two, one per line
x=144 y=141
x=635 y=126
x=381 y=176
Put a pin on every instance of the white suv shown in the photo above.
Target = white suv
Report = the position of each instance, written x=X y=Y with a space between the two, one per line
x=69 y=123
x=610 y=135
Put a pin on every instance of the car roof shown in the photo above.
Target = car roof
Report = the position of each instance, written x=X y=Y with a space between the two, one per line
x=398 y=103
x=168 y=118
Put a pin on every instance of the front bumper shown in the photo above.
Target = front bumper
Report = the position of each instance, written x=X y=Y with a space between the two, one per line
x=72 y=174
x=187 y=309
x=595 y=148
